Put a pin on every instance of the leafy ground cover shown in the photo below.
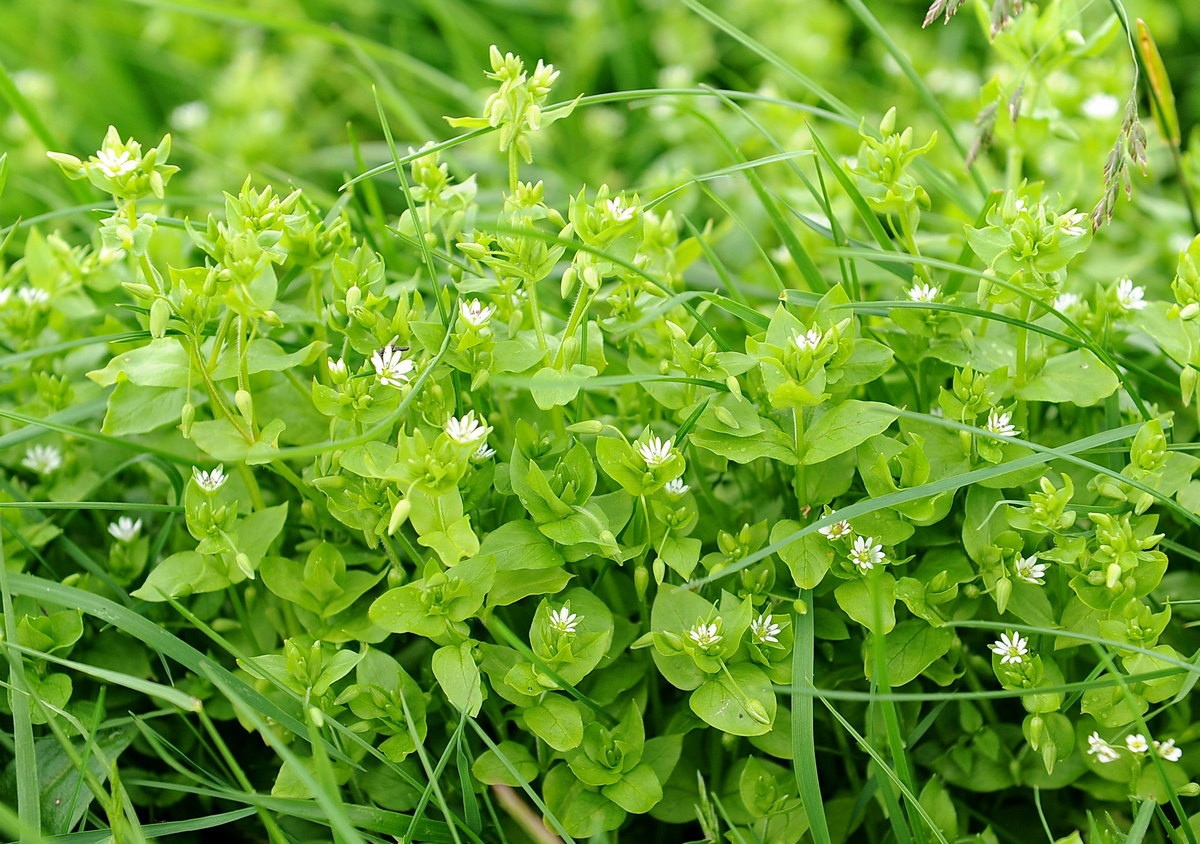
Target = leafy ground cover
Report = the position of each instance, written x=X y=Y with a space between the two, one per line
x=709 y=431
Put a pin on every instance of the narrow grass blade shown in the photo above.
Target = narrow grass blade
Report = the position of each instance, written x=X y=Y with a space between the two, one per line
x=804 y=732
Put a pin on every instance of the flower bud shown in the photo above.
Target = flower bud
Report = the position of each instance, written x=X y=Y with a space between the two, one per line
x=245 y=405
x=160 y=315
x=186 y=418
x=757 y=711
x=399 y=515
x=590 y=426
x=641 y=582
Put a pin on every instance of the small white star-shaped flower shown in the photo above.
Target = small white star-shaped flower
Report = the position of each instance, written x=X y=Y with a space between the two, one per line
x=1102 y=750
x=1010 y=647
x=211 y=480
x=476 y=314
x=1065 y=301
x=33 y=296
x=1029 y=570
x=866 y=553
x=1071 y=223
x=125 y=529
x=808 y=341
x=42 y=459
x=563 y=621
x=1000 y=424
x=1136 y=743
x=764 y=629
x=1167 y=750
x=923 y=293
x=836 y=530
x=655 y=451
x=618 y=210
x=705 y=635
x=115 y=165
x=483 y=453
x=1129 y=296
x=676 y=487
x=391 y=366
x=467 y=429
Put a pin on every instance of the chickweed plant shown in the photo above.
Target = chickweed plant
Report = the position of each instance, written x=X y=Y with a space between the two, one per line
x=836 y=485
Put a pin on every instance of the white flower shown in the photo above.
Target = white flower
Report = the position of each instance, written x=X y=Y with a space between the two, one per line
x=212 y=480
x=562 y=620
x=676 y=487
x=618 y=210
x=1000 y=424
x=1010 y=647
x=764 y=629
x=476 y=314
x=1102 y=750
x=808 y=341
x=42 y=459
x=189 y=116
x=115 y=165
x=655 y=451
x=1071 y=223
x=1065 y=301
x=1167 y=750
x=483 y=453
x=125 y=529
x=391 y=367
x=866 y=553
x=836 y=530
x=1137 y=743
x=705 y=635
x=1100 y=106
x=1129 y=297
x=337 y=367
x=1029 y=570
x=923 y=293
x=467 y=429
x=33 y=296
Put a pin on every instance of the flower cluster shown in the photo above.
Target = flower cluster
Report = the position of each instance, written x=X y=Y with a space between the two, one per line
x=1135 y=744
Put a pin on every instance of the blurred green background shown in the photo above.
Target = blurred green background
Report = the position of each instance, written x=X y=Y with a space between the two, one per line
x=279 y=88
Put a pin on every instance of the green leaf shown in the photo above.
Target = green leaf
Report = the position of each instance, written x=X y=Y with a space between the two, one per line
x=65 y=796
x=870 y=600
x=911 y=647
x=556 y=721
x=638 y=790
x=583 y=811
x=160 y=363
x=186 y=573
x=808 y=558
x=553 y=388
x=844 y=427
x=458 y=675
x=508 y=764
x=136 y=410
x=740 y=703
x=1077 y=377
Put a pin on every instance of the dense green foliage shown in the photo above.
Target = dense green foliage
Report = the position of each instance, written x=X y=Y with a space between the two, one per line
x=762 y=424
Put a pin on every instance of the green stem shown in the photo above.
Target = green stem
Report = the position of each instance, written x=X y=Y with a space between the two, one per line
x=800 y=479
x=1023 y=344
x=535 y=312
x=513 y=169
x=578 y=310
